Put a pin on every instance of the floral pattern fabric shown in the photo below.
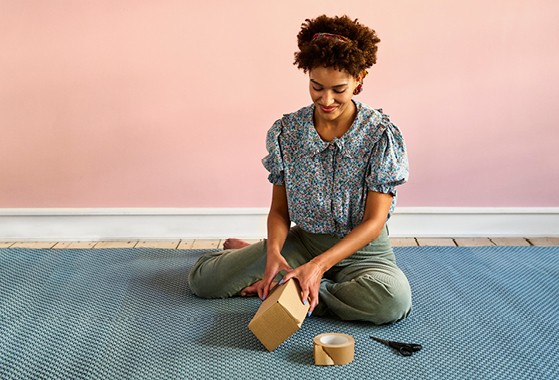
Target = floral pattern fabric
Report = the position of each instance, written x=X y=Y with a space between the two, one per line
x=327 y=181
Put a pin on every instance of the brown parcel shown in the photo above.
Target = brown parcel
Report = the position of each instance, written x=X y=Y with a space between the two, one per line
x=279 y=316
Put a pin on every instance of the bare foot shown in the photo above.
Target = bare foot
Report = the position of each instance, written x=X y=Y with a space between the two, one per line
x=233 y=243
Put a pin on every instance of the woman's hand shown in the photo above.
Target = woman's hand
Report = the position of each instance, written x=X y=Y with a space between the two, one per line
x=309 y=276
x=275 y=263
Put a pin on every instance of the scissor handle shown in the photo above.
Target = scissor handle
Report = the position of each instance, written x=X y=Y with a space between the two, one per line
x=405 y=351
x=409 y=349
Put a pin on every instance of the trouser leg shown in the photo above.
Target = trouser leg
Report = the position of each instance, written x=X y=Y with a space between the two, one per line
x=379 y=295
x=367 y=286
x=226 y=273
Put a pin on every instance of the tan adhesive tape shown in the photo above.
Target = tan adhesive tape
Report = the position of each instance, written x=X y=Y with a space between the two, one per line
x=333 y=349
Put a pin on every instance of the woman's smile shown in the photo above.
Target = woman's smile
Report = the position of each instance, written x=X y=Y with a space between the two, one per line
x=328 y=109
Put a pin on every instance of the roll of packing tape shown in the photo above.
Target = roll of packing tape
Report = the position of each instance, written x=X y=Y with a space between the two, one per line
x=333 y=349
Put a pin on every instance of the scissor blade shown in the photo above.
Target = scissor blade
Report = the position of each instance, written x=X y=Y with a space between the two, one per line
x=383 y=341
x=405 y=349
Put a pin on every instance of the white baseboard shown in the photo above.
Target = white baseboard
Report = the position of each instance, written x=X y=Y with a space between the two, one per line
x=214 y=223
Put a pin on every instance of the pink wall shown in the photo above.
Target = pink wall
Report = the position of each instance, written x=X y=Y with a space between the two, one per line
x=166 y=103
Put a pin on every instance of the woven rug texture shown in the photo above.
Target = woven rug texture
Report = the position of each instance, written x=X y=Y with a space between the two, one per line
x=480 y=313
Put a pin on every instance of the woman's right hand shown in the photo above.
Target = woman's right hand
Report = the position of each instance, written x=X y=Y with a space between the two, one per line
x=275 y=263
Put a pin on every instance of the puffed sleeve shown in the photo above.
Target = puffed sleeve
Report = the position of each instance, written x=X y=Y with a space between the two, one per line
x=389 y=160
x=273 y=162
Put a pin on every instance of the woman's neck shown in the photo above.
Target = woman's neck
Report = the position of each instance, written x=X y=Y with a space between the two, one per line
x=336 y=128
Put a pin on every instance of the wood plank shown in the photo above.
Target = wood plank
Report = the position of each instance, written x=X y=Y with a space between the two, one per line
x=185 y=244
x=34 y=244
x=62 y=245
x=216 y=243
x=205 y=244
x=166 y=244
x=509 y=242
x=473 y=242
x=116 y=244
x=75 y=245
x=439 y=242
x=545 y=241
x=82 y=244
x=403 y=242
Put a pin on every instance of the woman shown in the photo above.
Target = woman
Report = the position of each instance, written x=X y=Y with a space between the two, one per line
x=334 y=166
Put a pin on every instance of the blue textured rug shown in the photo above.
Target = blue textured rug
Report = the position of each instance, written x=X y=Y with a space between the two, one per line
x=480 y=313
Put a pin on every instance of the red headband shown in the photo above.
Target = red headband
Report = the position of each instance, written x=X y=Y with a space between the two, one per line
x=330 y=36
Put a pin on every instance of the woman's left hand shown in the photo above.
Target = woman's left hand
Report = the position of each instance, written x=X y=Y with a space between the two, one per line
x=309 y=276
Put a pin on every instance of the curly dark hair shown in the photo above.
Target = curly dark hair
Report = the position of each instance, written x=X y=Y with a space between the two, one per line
x=353 y=56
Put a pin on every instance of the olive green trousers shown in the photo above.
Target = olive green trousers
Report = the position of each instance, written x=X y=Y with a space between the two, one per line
x=367 y=286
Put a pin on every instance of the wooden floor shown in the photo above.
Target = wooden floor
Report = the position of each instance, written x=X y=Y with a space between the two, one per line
x=218 y=243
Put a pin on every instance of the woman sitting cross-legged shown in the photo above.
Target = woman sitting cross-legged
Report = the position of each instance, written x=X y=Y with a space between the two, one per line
x=334 y=166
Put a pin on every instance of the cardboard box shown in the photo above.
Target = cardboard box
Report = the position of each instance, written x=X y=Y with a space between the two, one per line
x=280 y=315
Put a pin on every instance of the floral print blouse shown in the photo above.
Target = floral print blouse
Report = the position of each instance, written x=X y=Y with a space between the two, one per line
x=327 y=181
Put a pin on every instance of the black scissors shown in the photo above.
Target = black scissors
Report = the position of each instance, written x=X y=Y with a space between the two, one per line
x=405 y=349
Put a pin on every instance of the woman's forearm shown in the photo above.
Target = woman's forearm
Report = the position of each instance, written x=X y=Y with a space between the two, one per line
x=374 y=219
x=359 y=237
x=278 y=228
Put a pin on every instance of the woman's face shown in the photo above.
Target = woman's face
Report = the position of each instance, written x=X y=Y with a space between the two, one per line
x=331 y=92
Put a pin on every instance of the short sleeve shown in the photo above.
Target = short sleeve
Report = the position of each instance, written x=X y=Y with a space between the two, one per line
x=273 y=162
x=389 y=160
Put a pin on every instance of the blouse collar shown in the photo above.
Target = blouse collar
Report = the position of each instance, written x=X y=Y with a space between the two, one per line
x=351 y=143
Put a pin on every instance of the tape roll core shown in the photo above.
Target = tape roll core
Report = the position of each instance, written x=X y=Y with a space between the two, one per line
x=333 y=349
x=334 y=340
